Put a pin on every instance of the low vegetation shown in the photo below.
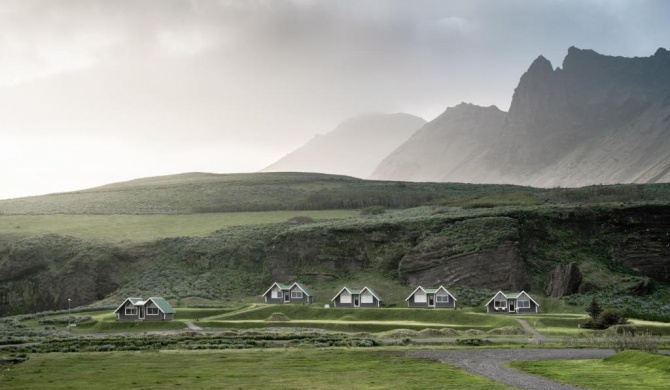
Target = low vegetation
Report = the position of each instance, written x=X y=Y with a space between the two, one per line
x=289 y=368
x=625 y=370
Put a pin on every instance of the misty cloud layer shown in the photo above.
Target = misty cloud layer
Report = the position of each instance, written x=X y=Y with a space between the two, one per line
x=96 y=91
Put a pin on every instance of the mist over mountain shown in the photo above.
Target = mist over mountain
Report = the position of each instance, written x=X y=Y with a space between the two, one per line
x=446 y=147
x=353 y=148
x=598 y=119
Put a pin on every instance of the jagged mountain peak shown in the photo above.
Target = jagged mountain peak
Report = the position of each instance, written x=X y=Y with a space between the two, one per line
x=599 y=119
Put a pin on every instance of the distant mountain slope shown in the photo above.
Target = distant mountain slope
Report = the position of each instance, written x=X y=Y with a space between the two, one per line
x=598 y=120
x=446 y=147
x=354 y=148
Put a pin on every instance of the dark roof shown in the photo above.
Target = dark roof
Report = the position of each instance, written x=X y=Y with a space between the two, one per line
x=162 y=304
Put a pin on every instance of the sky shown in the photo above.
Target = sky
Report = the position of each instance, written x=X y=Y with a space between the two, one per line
x=96 y=91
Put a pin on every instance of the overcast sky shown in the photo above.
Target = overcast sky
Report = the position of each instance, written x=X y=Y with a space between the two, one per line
x=99 y=91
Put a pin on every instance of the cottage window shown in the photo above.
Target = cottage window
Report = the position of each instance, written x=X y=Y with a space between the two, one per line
x=420 y=297
x=523 y=304
x=131 y=310
x=152 y=311
x=366 y=298
x=345 y=297
x=296 y=294
x=442 y=298
x=500 y=304
x=276 y=294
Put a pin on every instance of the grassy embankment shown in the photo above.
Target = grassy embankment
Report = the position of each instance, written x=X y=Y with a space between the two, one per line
x=625 y=370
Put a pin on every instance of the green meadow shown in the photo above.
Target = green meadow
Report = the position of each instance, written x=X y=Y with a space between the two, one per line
x=625 y=370
x=147 y=227
x=254 y=369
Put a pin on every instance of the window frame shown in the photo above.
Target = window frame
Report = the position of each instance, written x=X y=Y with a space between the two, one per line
x=523 y=304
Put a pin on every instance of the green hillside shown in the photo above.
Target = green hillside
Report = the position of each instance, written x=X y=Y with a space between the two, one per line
x=207 y=193
x=144 y=238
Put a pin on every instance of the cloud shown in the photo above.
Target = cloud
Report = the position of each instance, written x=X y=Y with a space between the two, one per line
x=266 y=75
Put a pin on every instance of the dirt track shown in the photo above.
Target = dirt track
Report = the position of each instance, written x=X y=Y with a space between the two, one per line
x=491 y=363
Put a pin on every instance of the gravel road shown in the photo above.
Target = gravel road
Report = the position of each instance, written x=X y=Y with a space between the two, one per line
x=491 y=363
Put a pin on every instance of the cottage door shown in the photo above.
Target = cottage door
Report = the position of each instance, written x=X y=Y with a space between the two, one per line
x=287 y=296
x=141 y=312
x=511 y=306
x=357 y=302
x=431 y=300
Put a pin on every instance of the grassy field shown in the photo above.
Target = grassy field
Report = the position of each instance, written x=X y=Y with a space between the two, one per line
x=288 y=369
x=400 y=316
x=625 y=370
x=557 y=325
x=135 y=228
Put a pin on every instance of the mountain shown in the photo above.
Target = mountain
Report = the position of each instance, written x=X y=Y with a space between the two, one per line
x=353 y=148
x=445 y=148
x=597 y=120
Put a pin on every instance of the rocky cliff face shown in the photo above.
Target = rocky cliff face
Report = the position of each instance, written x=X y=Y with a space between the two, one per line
x=504 y=251
x=564 y=280
x=353 y=148
x=43 y=272
x=597 y=120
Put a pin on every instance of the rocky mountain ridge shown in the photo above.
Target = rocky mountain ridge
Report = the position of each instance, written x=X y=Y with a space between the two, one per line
x=597 y=120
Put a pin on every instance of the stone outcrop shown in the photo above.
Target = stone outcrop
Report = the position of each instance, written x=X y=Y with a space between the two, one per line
x=500 y=269
x=564 y=280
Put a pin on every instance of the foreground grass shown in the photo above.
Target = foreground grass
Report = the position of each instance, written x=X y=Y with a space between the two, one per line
x=625 y=370
x=137 y=228
x=291 y=368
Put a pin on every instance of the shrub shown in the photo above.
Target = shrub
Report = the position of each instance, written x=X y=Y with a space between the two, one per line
x=278 y=317
x=611 y=317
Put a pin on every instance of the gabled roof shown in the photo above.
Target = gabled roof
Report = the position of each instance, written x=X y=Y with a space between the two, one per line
x=512 y=295
x=494 y=297
x=529 y=297
x=431 y=291
x=371 y=292
x=447 y=291
x=414 y=292
x=304 y=288
x=354 y=291
x=280 y=285
x=162 y=304
x=133 y=301
x=340 y=292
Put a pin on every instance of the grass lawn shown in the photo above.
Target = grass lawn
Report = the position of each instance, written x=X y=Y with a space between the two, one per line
x=557 y=325
x=280 y=368
x=432 y=318
x=625 y=370
x=137 y=228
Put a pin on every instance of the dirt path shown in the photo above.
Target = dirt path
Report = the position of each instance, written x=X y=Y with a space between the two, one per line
x=490 y=363
x=192 y=326
x=530 y=330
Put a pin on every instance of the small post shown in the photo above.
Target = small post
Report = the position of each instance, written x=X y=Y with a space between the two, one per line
x=68 y=314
